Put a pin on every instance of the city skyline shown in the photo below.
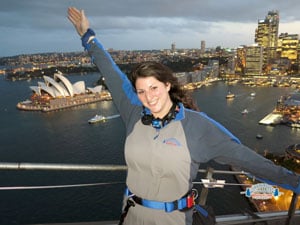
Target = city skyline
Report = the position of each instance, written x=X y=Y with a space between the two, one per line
x=29 y=27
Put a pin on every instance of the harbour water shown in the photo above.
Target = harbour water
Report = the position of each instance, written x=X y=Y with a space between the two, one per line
x=67 y=137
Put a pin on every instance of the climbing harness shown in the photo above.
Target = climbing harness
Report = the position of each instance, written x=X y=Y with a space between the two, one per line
x=186 y=202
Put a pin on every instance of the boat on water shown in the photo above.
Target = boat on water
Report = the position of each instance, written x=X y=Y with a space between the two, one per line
x=245 y=111
x=97 y=118
x=253 y=94
x=259 y=136
x=230 y=95
x=100 y=118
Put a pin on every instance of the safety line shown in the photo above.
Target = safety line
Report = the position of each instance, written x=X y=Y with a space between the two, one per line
x=100 y=184
x=56 y=186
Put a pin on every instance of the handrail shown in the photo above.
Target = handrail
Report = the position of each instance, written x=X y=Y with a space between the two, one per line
x=58 y=166
x=63 y=166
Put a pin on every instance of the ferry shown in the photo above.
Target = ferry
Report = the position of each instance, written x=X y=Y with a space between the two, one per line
x=97 y=118
x=230 y=95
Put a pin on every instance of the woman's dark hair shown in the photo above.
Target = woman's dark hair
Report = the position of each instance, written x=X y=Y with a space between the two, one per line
x=165 y=75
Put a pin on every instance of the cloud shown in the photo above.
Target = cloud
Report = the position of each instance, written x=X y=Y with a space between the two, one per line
x=138 y=24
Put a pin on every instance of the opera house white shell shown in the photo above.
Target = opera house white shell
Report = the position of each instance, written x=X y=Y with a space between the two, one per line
x=60 y=86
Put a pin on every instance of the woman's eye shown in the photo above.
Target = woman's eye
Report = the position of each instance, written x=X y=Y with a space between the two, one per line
x=140 y=92
x=153 y=88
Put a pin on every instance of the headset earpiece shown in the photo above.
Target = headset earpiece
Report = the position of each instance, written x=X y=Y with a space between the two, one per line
x=158 y=123
x=147 y=119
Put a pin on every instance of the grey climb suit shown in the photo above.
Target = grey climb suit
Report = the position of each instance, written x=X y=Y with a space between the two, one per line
x=162 y=163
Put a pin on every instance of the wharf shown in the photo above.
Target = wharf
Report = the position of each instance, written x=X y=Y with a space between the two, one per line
x=271 y=119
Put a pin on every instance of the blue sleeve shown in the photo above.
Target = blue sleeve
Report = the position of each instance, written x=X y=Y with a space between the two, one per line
x=120 y=87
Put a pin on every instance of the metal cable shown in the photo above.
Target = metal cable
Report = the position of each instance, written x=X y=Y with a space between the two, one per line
x=57 y=186
x=100 y=184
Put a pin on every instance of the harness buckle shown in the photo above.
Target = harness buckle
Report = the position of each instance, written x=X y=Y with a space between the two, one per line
x=190 y=198
x=190 y=201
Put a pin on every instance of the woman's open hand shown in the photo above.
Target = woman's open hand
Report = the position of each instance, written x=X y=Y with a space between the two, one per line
x=79 y=20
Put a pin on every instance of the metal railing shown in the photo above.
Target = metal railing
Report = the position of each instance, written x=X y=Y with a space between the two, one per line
x=290 y=217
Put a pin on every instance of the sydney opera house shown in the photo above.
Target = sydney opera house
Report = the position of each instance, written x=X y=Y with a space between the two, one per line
x=58 y=93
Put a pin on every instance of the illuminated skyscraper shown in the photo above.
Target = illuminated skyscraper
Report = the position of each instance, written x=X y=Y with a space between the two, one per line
x=266 y=35
x=240 y=62
x=288 y=50
x=288 y=46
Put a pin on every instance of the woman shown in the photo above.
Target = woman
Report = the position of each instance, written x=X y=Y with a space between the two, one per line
x=167 y=139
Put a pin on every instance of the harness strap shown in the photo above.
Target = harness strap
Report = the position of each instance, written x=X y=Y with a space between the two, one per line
x=185 y=202
x=201 y=210
x=129 y=203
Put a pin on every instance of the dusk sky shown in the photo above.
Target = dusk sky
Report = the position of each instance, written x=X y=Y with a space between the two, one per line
x=38 y=26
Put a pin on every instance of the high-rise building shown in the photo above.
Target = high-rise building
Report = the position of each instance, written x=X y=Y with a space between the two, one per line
x=254 y=60
x=288 y=51
x=202 y=50
x=240 y=62
x=173 y=47
x=266 y=35
x=288 y=46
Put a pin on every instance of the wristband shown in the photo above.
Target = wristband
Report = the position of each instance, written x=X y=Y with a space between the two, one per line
x=86 y=37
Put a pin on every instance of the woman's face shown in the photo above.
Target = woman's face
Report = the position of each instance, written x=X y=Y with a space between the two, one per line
x=154 y=95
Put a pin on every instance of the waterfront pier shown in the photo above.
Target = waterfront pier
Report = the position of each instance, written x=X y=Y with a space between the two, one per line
x=271 y=119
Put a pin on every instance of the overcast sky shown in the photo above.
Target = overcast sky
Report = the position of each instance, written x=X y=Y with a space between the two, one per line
x=37 y=26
